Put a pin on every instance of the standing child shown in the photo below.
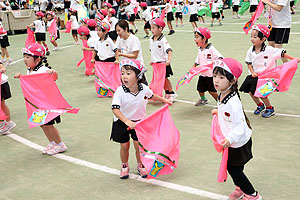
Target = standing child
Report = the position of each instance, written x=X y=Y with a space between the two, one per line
x=40 y=30
x=130 y=13
x=129 y=106
x=207 y=54
x=193 y=9
x=50 y=18
x=235 y=9
x=8 y=125
x=170 y=16
x=34 y=57
x=112 y=21
x=161 y=52
x=253 y=6
x=4 y=44
x=74 y=24
x=235 y=126
x=178 y=13
x=260 y=58
x=146 y=16
x=215 y=13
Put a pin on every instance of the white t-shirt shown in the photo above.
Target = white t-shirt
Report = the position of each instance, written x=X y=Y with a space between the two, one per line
x=38 y=69
x=179 y=7
x=4 y=78
x=169 y=8
x=74 y=22
x=73 y=4
x=236 y=2
x=40 y=26
x=265 y=59
x=282 y=19
x=113 y=23
x=193 y=9
x=43 y=5
x=105 y=49
x=207 y=56
x=253 y=2
x=129 y=9
x=132 y=106
x=215 y=6
x=232 y=120
x=130 y=45
x=159 y=49
x=93 y=39
x=147 y=15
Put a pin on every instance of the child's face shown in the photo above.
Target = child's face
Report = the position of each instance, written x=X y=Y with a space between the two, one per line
x=256 y=41
x=49 y=17
x=82 y=37
x=128 y=78
x=30 y=61
x=100 y=33
x=221 y=83
x=199 y=41
x=156 y=31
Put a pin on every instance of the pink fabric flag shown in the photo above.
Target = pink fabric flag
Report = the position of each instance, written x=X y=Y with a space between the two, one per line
x=217 y=137
x=135 y=10
x=2 y=115
x=277 y=79
x=158 y=78
x=68 y=27
x=107 y=78
x=30 y=37
x=163 y=13
x=53 y=31
x=89 y=67
x=159 y=143
x=43 y=99
x=80 y=61
x=253 y=19
x=191 y=73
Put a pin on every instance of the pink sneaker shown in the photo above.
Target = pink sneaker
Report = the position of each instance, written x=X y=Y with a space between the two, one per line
x=47 y=147
x=237 y=194
x=249 y=197
x=57 y=148
x=124 y=174
x=142 y=171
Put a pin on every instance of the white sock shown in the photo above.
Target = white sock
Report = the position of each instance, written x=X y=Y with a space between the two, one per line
x=52 y=142
x=254 y=194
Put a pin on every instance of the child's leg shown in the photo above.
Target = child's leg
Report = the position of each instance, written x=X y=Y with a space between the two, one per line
x=176 y=21
x=3 y=52
x=5 y=109
x=212 y=21
x=51 y=133
x=168 y=86
x=214 y=95
x=255 y=99
x=137 y=152
x=202 y=19
x=54 y=43
x=75 y=37
x=46 y=46
x=181 y=21
x=266 y=102
x=124 y=152
x=39 y=42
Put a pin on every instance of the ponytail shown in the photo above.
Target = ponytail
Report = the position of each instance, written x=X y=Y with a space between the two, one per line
x=44 y=60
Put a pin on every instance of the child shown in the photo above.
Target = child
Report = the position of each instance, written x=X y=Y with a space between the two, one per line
x=207 y=54
x=146 y=16
x=129 y=106
x=40 y=30
x=193 y=9
x=112 y=21
x=105 y=48
x=161 y=51
x=129 y=9
x=259 y=59
x=74 y=24
x=4 y=44
x=50 y=18
x=215 y=13
x=83 y=32
x=170 y=16
x=8 y=125
x=253 y=6
x=178 y=14
x=34 y=57
x=235 y=9
x=235 y=126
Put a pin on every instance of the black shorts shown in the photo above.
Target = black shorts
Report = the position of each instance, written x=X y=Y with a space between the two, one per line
x=4 y=41
x=235 y=8
x=170 y=16
x=55 y=120
x=58 y=35
x=206 y=84
x=292 y=3
x=124 y=16
x=280 y=35
x=5 y=91
x=113 y=35
x=120 y=134
x=132 y=18
x=215 y=15
x=253 y=8
x=40 y=37
x=240 y=156
x=178 y=15
x=74 y=32
x=169 y=71
x=67 y=4
x=194 y=18
x=249 y=84
x=147 y=25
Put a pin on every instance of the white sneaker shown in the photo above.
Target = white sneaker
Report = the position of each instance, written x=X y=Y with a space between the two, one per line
x=167 y=96
x=77 y=43
x=3 y=60
x=55 y=48
x=172 y=97
x=201 y=102
x=238 y=16
x=57 y=148
x=8 y=126
x=48 y=147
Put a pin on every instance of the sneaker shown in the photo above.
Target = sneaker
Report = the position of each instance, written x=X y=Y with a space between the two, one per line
x=249 y=197
x=47 y=53
x=182 y=25
x=77 y=43
x=268 y=113
x=259 y=110
x=234 y=17
x=167 y=96
x=236 y=194
x=2 y=124
x=171 y=32
x=3 y=60
x=142 y=171
x=124 y=174
x=8 y=62
x=55 y=49
x=56 y=148
x=211 y=25
x=8 y=126
x=146 y=36
x=172 y=97
x=220 y=24
x=176 y=25
x=201 y=102
x=47 y=147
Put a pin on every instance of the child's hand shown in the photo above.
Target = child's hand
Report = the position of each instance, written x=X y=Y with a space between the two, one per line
x=298 y=60
x=214 y=111
x=17 y=75
x=254 y=74
x=225 y=143
x=51 y=71
x=2 y=70
x=93 y=61
x=168 y=101
x=117 y=62
x=130 y=124
x=168 y=62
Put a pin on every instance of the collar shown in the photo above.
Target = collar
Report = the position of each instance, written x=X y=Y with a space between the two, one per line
x=105 y=38
x=159 y=38
x=126 y=90
x=228 y=96
x=36 y=67
x=263 y=47
x=207 y=46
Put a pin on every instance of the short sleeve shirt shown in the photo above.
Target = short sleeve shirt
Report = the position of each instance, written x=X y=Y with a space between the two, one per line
x=38 y=69
x=40 y=26
x=282 y=19
x=159 y=49
x=105 y=49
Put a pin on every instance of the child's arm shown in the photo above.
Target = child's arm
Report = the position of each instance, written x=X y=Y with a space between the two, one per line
x=161 y=99
x=93 y=57
x=87 y=49
x=132 y=55
x=2 y=69
x=117 y=56
x=17 y=75
x=121 y=117
x=285 y=55
x=54 y=74
x=250 y=67
x=31 y=25
x=276 y=7
x=169 y=58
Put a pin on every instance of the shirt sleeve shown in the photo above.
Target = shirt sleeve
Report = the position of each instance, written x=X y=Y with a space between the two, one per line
x=216 y=54
x=282 y=2
x=118 y=43
x=248 y=59
x=149 y=92
x=112 y=45
x=277 y=53
x=134 y=44
x=117 y=100
x=167 y=46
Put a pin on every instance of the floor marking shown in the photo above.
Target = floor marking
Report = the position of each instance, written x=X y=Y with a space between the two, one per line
x=109 y=170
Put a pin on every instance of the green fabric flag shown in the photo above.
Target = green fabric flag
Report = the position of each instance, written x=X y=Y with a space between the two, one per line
x=244 y=7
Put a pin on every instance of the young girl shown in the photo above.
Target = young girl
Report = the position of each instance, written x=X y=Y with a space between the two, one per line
x=207 y=54
x=4 y=44
x=112 y=21
x=178 y=13
x=40 y=30
x=193 y=10
x=128 y=44
x=260 y=58
x=235 y=9
x=50 y=18
x=129 y=9
x=161 y=52
x=146 y=16
x=215 y=13
x=8 y=125
x=235 y=126
x=34 y=57
x=170 y=16
x=74 y=24
x=129 y=106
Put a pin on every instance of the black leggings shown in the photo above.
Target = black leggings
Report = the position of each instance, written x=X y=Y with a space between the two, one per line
x=240 y=179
